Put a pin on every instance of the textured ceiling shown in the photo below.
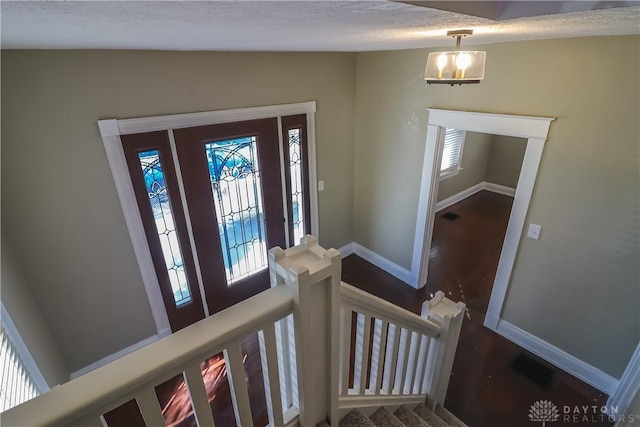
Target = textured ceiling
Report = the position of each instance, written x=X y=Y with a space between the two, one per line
x=281 y=25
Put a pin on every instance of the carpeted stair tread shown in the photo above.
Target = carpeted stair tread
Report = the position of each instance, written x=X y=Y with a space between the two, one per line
x=356 y=418
x=323 y=423
x=454 y=421
x=410 y=418
x=383 y=418
x=429 y=416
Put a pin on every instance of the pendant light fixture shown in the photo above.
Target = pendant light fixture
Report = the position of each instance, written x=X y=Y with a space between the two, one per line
x=455 y=67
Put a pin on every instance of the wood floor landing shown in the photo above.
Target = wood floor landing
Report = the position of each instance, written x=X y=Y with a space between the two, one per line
x=485 y=390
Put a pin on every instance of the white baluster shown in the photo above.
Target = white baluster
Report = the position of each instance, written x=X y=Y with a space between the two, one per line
x=198 y=393
x=390 y=359
x=345 y=352
x=377 y=355
x=422 y=362
x=403 y=357
x=412 y=362
x=269 y=359
x=149 y=406
x=238 y=385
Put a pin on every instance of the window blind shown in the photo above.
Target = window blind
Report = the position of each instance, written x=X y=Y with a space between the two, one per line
x=16 y=384
x=452 y=150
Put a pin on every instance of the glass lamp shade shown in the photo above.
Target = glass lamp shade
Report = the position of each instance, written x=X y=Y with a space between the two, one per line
x=455 y=67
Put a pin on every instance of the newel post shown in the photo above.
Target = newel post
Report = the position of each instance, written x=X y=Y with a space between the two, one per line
x=449 y=316
x=313 y=275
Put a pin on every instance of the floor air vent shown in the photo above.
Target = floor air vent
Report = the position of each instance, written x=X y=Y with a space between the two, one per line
x=534 y=370
x=450 y=216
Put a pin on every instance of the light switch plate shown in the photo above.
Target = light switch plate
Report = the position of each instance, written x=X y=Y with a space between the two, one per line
x=321 y=185
x=534 y=231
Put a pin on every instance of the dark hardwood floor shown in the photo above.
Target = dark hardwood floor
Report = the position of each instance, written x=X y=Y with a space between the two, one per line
x=485 y=391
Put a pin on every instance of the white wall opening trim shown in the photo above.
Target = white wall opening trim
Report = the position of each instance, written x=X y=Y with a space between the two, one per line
x=535 y=130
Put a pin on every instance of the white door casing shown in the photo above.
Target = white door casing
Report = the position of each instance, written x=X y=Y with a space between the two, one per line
x=535 y=130
x=112 y=129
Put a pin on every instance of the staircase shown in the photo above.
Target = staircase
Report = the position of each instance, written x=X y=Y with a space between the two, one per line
x=420 y=416
x=328 y=351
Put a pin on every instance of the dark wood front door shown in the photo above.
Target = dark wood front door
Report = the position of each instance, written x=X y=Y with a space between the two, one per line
x=213 y=199
x=233 y=188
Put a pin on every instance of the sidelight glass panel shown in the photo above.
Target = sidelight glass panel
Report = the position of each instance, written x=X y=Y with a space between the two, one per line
x=295 y=167
x=237 y=194
x=160 y=204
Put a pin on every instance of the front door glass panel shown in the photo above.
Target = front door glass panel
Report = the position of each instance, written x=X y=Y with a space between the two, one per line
x=234 y=174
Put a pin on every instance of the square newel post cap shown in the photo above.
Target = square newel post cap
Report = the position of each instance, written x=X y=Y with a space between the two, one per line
x=306 y=259
x=440 y=307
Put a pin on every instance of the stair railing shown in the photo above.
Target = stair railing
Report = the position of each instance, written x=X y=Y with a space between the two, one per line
x=83 y=401
x=398 y=357
x=305 y=324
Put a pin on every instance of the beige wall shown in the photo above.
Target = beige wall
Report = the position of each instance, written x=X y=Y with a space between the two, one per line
x=33 y=329
x=505 y=160
x=475 y=157
x=59 y=205
x=578 y=286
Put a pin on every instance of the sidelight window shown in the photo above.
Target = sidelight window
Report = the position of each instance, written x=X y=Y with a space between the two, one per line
x=154 y=181
x=297 y=191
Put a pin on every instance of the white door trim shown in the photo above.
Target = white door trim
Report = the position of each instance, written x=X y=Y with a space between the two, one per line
x=535 y=130
x=112 y=129
x=628 y=385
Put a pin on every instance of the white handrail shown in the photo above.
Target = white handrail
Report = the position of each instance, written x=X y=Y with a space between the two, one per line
x=111 y=385
x=304 y=327
x=399 y=357
x=382 y=309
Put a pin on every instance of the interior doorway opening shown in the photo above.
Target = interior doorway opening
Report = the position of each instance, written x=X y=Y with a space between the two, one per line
x=473 y=206
x=535 y=131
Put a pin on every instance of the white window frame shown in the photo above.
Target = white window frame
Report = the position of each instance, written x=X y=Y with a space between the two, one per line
x=455 y=169
x=23 y=351
x=112 y=129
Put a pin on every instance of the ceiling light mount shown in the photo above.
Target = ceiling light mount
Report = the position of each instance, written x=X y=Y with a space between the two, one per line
x=455 y=67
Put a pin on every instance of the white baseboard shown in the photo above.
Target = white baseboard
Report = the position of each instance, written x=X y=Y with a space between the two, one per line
x=563 y=360
x=443 y=204
x=500 y=189
x=383 y=263
x=118 y=354
x=346 y=250
x=628 y=385
x=489 y=186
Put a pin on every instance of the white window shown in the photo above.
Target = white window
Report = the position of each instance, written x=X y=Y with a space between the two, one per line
x=20 y=379
x=452 y=152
